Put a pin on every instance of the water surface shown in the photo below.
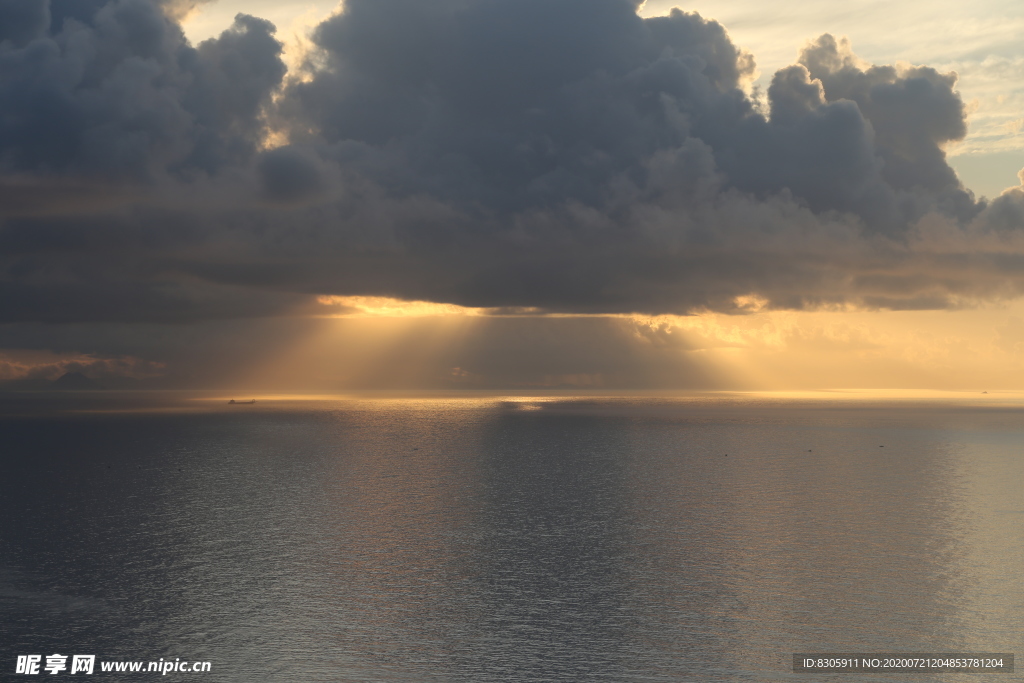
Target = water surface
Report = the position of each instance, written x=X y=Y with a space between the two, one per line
x=508 y=539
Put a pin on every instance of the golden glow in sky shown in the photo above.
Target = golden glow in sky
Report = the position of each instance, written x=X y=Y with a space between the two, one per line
x=382 y=306
x=386 y=343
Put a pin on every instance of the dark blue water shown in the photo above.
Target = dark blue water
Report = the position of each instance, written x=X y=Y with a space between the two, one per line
x=491 y=539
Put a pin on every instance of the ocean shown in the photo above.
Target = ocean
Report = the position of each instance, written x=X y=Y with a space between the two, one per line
x=508 y=538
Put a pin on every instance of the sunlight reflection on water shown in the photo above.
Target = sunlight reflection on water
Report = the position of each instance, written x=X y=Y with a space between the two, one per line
x=511 y=538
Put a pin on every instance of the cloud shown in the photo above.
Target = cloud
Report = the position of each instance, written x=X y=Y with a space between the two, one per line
x=114 y=90
x=289 y=174
x=560 y=155
x=22 y=21
x=34 y=365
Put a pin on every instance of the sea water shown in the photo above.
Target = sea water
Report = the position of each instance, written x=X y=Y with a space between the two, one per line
x=493 y=538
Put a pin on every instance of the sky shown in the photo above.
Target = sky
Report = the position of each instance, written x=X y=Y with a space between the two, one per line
x=512 y=194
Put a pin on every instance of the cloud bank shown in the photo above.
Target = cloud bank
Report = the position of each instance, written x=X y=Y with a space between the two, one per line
x=556 y=155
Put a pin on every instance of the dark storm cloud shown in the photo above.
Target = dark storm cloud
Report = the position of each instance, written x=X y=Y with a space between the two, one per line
x=21 y=21
x=514 y=104
x=115 y=90
x=560 y=154
x=289 y=174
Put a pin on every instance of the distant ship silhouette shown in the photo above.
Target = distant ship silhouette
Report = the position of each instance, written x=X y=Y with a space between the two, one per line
x=241 y=403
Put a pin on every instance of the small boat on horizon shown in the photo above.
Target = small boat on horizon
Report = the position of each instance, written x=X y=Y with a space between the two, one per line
x=241 y=403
